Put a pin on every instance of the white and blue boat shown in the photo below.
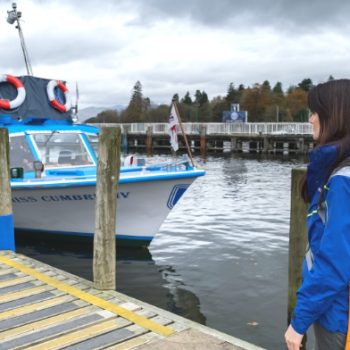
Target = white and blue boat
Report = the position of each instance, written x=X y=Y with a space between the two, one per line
x=53 y=165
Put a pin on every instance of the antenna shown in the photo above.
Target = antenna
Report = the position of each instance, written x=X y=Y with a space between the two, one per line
x=75 y=108
x=12 y=17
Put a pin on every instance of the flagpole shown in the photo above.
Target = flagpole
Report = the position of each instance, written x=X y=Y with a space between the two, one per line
x=183 y=133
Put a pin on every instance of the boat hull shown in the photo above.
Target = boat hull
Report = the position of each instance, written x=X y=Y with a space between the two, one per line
x=70 y=210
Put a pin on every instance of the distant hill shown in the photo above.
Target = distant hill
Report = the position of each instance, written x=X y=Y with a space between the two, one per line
x=90 y=112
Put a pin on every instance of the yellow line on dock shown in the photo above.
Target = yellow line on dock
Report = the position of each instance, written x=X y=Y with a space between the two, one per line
x=92 y=299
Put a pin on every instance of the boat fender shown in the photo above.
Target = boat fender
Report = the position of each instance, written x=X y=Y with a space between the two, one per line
x=21 y=92
x=52 y=84
x=129 y=161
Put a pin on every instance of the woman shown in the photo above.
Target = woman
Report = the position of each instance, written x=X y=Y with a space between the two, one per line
x=323 y=298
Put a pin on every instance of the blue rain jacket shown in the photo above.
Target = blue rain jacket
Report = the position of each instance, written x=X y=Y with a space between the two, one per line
x=324 y=293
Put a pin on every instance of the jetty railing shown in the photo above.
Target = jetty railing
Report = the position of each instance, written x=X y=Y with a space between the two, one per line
x=219 y=128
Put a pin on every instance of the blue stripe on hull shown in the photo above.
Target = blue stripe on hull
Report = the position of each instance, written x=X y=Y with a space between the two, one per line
x=7 y=236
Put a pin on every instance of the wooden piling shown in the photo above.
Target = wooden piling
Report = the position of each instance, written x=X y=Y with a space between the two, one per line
x=203 y=141
x=297 y=239
x=104 y=258
x=149 y=141
x=7 y=240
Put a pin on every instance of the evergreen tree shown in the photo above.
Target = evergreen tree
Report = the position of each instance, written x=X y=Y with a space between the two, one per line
x=277 y=89
x=201 y=98
x=135 y=110
x=297 y=104
x=266 y=86
x=232 y=95
x=197 y=97
x=187 y=99
x=330 y=78
x=306 y=84
x=176 y=98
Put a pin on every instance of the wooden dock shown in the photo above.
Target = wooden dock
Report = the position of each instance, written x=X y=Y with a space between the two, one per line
x=42 y=307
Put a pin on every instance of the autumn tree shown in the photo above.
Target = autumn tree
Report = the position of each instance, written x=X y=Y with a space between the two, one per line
x=297 y=104
x=256 y=101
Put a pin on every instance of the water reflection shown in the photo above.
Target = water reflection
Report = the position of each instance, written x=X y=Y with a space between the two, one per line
x=137 y=274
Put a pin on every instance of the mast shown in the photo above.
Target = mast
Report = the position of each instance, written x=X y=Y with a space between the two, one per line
x=12 y=17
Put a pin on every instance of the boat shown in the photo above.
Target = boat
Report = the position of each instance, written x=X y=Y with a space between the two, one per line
x=53 y=162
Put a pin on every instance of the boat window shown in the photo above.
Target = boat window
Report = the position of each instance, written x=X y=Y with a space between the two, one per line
x=93 y=139
x=62 y=149
x=20 y=154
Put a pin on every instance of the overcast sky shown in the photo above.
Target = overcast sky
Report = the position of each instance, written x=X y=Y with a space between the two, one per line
x=174 y=46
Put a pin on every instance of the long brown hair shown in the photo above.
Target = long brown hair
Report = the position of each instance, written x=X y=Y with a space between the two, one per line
x=331 y=101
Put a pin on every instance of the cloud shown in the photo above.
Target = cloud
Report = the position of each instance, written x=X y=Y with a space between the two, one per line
x=176 y=46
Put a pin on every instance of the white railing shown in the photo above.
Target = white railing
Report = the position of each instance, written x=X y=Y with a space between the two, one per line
x=219 y=128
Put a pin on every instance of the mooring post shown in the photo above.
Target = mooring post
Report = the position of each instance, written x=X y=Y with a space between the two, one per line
x=104 y=259
x=149 y=141
x=297 y=238
x=125 y=140
x=202 y=140
x=7 y=235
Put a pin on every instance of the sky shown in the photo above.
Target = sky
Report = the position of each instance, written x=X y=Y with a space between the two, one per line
x=176 y=46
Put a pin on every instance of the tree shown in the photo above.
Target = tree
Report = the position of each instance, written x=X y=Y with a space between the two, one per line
x=232 y=95
x=158 y=115
x=201 y=98
x=297 y=104
x=306 y=84
x=187 y=99
x=257 y=101
x=176 y=98
x=136 y=108
x=266 y=85
x=330 y=78
x=197 y=97
x=218 y=105
x=107 y=116
x=277 y=89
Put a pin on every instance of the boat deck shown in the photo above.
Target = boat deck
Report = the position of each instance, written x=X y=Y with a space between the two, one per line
x=42 y=307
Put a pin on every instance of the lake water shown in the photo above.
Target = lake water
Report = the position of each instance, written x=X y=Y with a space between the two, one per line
x=220 y=258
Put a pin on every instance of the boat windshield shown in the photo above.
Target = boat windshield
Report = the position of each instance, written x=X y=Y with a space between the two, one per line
x=20 y=154
x=93 y=139
x=57 y=149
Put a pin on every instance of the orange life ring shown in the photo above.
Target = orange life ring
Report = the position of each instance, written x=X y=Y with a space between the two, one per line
x=52 y=84
x=21 y=92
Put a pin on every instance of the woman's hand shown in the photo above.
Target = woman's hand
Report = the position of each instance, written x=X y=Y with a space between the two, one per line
x=293 y=339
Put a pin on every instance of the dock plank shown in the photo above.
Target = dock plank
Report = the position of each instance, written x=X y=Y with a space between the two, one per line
x=44 y=308
x=81 y=335
x=33 y=326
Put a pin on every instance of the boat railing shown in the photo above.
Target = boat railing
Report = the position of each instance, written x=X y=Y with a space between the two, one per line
x=218 y=128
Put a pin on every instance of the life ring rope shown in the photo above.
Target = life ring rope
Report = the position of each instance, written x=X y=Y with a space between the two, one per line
x=52 y=84
x=21 y=92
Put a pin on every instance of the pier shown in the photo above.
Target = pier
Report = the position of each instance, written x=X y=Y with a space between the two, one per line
x=42 y=307
x=267 y=138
